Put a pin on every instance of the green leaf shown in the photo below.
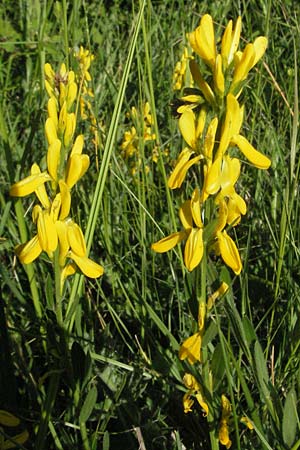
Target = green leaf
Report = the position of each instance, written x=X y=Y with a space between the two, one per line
x=289 y=421
x=217 y=366
x=249 y=330
x=106 y=441
x=88 y=405
x=261 y=369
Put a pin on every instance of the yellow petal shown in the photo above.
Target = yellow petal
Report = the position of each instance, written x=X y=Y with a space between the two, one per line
x=203 y=85
x=78 y=145
x=30 y=251
x=210 y=138
x=185 y=215
x=191 y=348
x=193 y=250
x=260 y=45
x=224 y=434
x=64 y=246
x=219 y=81
x=202 y=40
x=52 y=110
x=230 y=42
x=256 y=158
x=29 y=184
x=76 y=167
x=213 y=177
x=76 y=239
x=40 y=191
x=72 y=93
x=176 y=178
x=190 y=382
x=47 y=232
x=65 y=200
x=50 y=130
x=67 y=271
x=196 y=208
x=87 y=266
x=229 y=252
x=53 y=158
x=187 y=403
x=202 y=403
x=244 y=65
x=187 y=127
x=70 y=129
x=168 y=242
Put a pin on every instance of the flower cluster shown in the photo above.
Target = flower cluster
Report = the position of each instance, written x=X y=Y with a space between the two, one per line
x=180 y=70
x=210 y=121
x=66 y=164
x=140 y=132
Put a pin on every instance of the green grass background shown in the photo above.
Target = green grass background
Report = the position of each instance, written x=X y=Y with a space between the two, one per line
x=119 y=378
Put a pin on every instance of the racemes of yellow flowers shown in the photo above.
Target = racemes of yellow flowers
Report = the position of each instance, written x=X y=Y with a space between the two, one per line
x=210 y=122
x=66 y=164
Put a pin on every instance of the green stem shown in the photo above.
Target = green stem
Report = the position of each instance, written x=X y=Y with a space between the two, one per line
x=58 y=292
x=214 y=441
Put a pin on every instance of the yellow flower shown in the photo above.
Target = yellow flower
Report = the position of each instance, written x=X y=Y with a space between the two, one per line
x=230 y=42
x=190 y=216
x=231 y=135
x=246 y=60
x=202 y=40
x=191 y=348
x=226 y=246
x=223 y=427
x=194 y=389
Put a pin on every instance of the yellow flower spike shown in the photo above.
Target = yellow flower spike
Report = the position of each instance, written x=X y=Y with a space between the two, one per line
x=187 y=403
x=40 y=191
x=70 y=128
x=168 y=242
x=76 y=168
x=52 y=110
x=65 y=200
x=29 y=184
x=209 y=141
x=229 y=252
x=255 y=157
x=194 y=248
x=202 y=40
x=8 y=420
x=47 y=232
x=191 y=348
x=53 y=158
x=30 y=251
x=230 y=42
x=87 y=266
x=203 y=85
x=187 y=127
x=64 y=246
x=50 y=130
x=76 y=238
x=219 y=81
